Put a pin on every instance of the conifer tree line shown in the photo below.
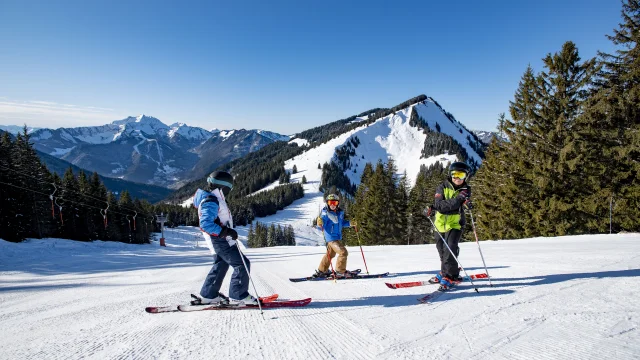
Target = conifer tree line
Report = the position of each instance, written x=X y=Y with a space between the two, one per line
x=34 y=203
x=387 y=210
x=262 y=235
x=573 y=145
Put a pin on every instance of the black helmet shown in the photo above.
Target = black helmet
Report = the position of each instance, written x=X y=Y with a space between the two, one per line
x=220 y=180
x=459 y=166
x=332 y=197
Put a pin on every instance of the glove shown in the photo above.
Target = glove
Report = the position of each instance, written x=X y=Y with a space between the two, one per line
x=464 y=194
x=319 y=221
x=226 y=231
x=428 y=211
x=468 y=204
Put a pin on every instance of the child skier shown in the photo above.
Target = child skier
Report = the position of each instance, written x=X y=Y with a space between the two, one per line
x=217 y=226
x=451 y=197
x=332 y=220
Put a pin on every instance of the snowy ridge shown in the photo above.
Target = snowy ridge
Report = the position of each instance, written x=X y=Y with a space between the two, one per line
x=189 y=132
x=145 y=150
x=87 y=299
x=15 y=129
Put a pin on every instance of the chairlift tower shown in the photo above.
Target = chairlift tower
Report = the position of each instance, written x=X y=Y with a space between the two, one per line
x=162 y=218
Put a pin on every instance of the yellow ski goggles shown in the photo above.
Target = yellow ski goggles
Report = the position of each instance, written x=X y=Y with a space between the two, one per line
x=459 y=174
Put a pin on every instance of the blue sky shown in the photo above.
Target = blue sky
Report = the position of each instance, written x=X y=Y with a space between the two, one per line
x=281 y=66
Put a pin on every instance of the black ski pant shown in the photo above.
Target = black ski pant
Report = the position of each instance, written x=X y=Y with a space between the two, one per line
x=448 y=264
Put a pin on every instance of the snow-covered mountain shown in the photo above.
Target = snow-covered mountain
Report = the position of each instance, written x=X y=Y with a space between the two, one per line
x=145 y=150
x=15 y=129
x=487 y=136
x=393 y=136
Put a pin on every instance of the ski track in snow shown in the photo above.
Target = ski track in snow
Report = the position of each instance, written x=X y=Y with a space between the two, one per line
x=553 y=298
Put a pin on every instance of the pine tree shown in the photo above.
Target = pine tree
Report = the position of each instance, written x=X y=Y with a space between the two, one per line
x=279 y=236
x=400 y=205
x=70 y=200
x=608 y=133
x=561 y=95
x=291 y=236
x=8 y=194
x=295 y=169
x=31 y=217
x=271 y=236
x=251 y=237
x=98 y=194
x=304 y=179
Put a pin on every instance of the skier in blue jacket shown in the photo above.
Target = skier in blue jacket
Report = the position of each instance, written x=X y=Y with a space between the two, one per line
x=332 y=220
x=217 y=228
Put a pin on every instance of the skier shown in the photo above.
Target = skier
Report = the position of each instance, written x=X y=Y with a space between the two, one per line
x=451 y=197
x=217 y=228
x=332 y=220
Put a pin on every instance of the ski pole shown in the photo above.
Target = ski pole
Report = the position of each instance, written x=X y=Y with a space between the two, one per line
x=250 y=279
x=479 y=249
x=362 y=252
x=454 y=255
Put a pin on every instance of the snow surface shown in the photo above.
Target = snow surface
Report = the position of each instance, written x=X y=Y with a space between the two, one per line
x=300 y=142
x=553 y=298
x=60 y=152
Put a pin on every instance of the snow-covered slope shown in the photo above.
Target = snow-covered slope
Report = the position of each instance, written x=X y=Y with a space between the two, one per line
x=553 y=298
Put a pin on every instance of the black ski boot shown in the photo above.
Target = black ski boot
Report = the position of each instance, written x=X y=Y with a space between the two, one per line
x=321 y=274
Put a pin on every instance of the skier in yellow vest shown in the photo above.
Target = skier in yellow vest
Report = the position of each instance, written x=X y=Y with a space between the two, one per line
x=451 y=197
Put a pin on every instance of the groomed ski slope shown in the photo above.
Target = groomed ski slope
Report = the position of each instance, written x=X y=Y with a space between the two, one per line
x=554 y=298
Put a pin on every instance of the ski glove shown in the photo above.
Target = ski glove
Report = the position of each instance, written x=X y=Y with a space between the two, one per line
x=464 y=194
x=319 y=221
x=226 y=231
x=468 y=204
x=428 y=211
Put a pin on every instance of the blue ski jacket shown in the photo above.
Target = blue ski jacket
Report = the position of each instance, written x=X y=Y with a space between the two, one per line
x=208 y=206
x=332 y=224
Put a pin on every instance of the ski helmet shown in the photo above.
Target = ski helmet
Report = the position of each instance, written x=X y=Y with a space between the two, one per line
x=220 y=180
x=332 y=198
x=459 y=167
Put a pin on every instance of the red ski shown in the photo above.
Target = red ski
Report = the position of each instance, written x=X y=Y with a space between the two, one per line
x=267 y=305
x=174 y=308
x=422 y=283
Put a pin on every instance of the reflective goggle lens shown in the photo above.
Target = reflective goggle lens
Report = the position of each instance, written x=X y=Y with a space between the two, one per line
x=459 y=174
x=333 y=202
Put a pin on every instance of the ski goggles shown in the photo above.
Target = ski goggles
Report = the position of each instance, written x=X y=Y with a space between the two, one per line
x=459 y=174
x=333 y=202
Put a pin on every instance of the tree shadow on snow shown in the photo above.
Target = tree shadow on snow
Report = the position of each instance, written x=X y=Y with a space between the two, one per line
x=557 y=278
x=405 y=300
x=433 y=272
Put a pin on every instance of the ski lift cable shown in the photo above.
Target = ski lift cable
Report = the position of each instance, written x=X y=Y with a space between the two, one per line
x=62 y=187
x=72 y=202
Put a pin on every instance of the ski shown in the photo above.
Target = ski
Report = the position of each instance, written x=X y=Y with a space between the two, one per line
x=431 y=296
x=422 y=283
x=174 y=308
x=267 y=305
x=359 y=276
